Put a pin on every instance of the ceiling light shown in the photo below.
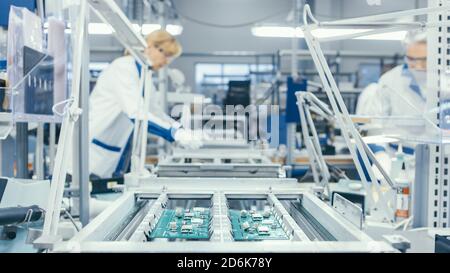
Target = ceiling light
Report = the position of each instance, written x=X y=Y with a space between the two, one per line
x=275 y=31
x=100 y=29
x=291 y=32
x=174 y=29
x=171 y=28
x=105 y=29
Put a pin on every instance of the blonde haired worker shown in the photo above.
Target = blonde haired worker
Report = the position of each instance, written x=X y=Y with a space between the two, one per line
x=113 y=105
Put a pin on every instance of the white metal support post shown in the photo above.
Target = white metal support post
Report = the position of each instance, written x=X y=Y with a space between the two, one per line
x=162 y=74
x=292 y=127
x=147 y=89
x=319 y=168
x=39 y=161
x=438 y=65
x=80 y=173
x=163 y=80
x=297 y=8
x=52 y=146
x=141 y=126
x=49 y=235
x=135 y=155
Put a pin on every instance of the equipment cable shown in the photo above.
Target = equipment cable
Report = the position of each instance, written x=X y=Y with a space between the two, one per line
x=244 y=24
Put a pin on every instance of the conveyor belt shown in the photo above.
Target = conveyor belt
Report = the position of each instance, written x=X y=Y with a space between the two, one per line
x=218 y=170
x=311 y=227
x=126 y=227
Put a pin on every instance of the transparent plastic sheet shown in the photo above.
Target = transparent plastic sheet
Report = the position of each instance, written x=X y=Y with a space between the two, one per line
x=32 y=99
x=443 y=111
x=411 y=129
x=25 y=29
x=38 y=67
x=57 y=48
x=428 y=123
x=6 y=119
x=417 y=123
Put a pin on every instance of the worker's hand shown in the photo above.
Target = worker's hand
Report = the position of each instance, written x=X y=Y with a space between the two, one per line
x=188 y=138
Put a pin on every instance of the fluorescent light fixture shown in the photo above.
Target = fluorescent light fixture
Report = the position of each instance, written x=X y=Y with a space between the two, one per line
x=98 y=66
x=275 y=31
x=291 y=32
x=149 y=28
x=94 y=29
x=137 y=28
x=172 y=29
x=67 y=30
x=388 y=36
x=105 y=29
x=100 y=29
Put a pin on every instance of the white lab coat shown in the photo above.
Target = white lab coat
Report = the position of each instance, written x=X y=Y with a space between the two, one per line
x=113 y=104
x=366 y=99
x=394 y=95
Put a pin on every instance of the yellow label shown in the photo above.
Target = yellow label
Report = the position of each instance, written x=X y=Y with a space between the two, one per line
x=111 y=184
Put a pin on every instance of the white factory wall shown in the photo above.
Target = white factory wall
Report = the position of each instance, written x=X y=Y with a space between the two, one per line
x=197 y=38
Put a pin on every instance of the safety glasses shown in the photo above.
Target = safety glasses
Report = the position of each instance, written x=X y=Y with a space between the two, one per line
x=168 y=57
x=416 y=61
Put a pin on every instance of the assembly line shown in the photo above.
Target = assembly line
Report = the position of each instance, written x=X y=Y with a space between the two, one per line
x=116 y=136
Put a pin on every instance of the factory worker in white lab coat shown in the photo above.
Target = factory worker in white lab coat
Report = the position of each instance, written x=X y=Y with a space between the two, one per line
x=113 y=106
x=399 y=92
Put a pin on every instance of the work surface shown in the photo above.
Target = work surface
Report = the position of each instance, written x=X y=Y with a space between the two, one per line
x=421 y=240
x=225 y=195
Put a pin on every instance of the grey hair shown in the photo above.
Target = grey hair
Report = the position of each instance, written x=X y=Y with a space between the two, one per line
x=413 y=37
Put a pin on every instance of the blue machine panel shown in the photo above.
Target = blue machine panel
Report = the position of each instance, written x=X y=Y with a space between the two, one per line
x=282 y=137
x=292 y=114
x=4 y=8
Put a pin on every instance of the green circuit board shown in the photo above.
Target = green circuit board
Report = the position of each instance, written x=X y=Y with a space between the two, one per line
x=189 y=225
x=265 y=228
